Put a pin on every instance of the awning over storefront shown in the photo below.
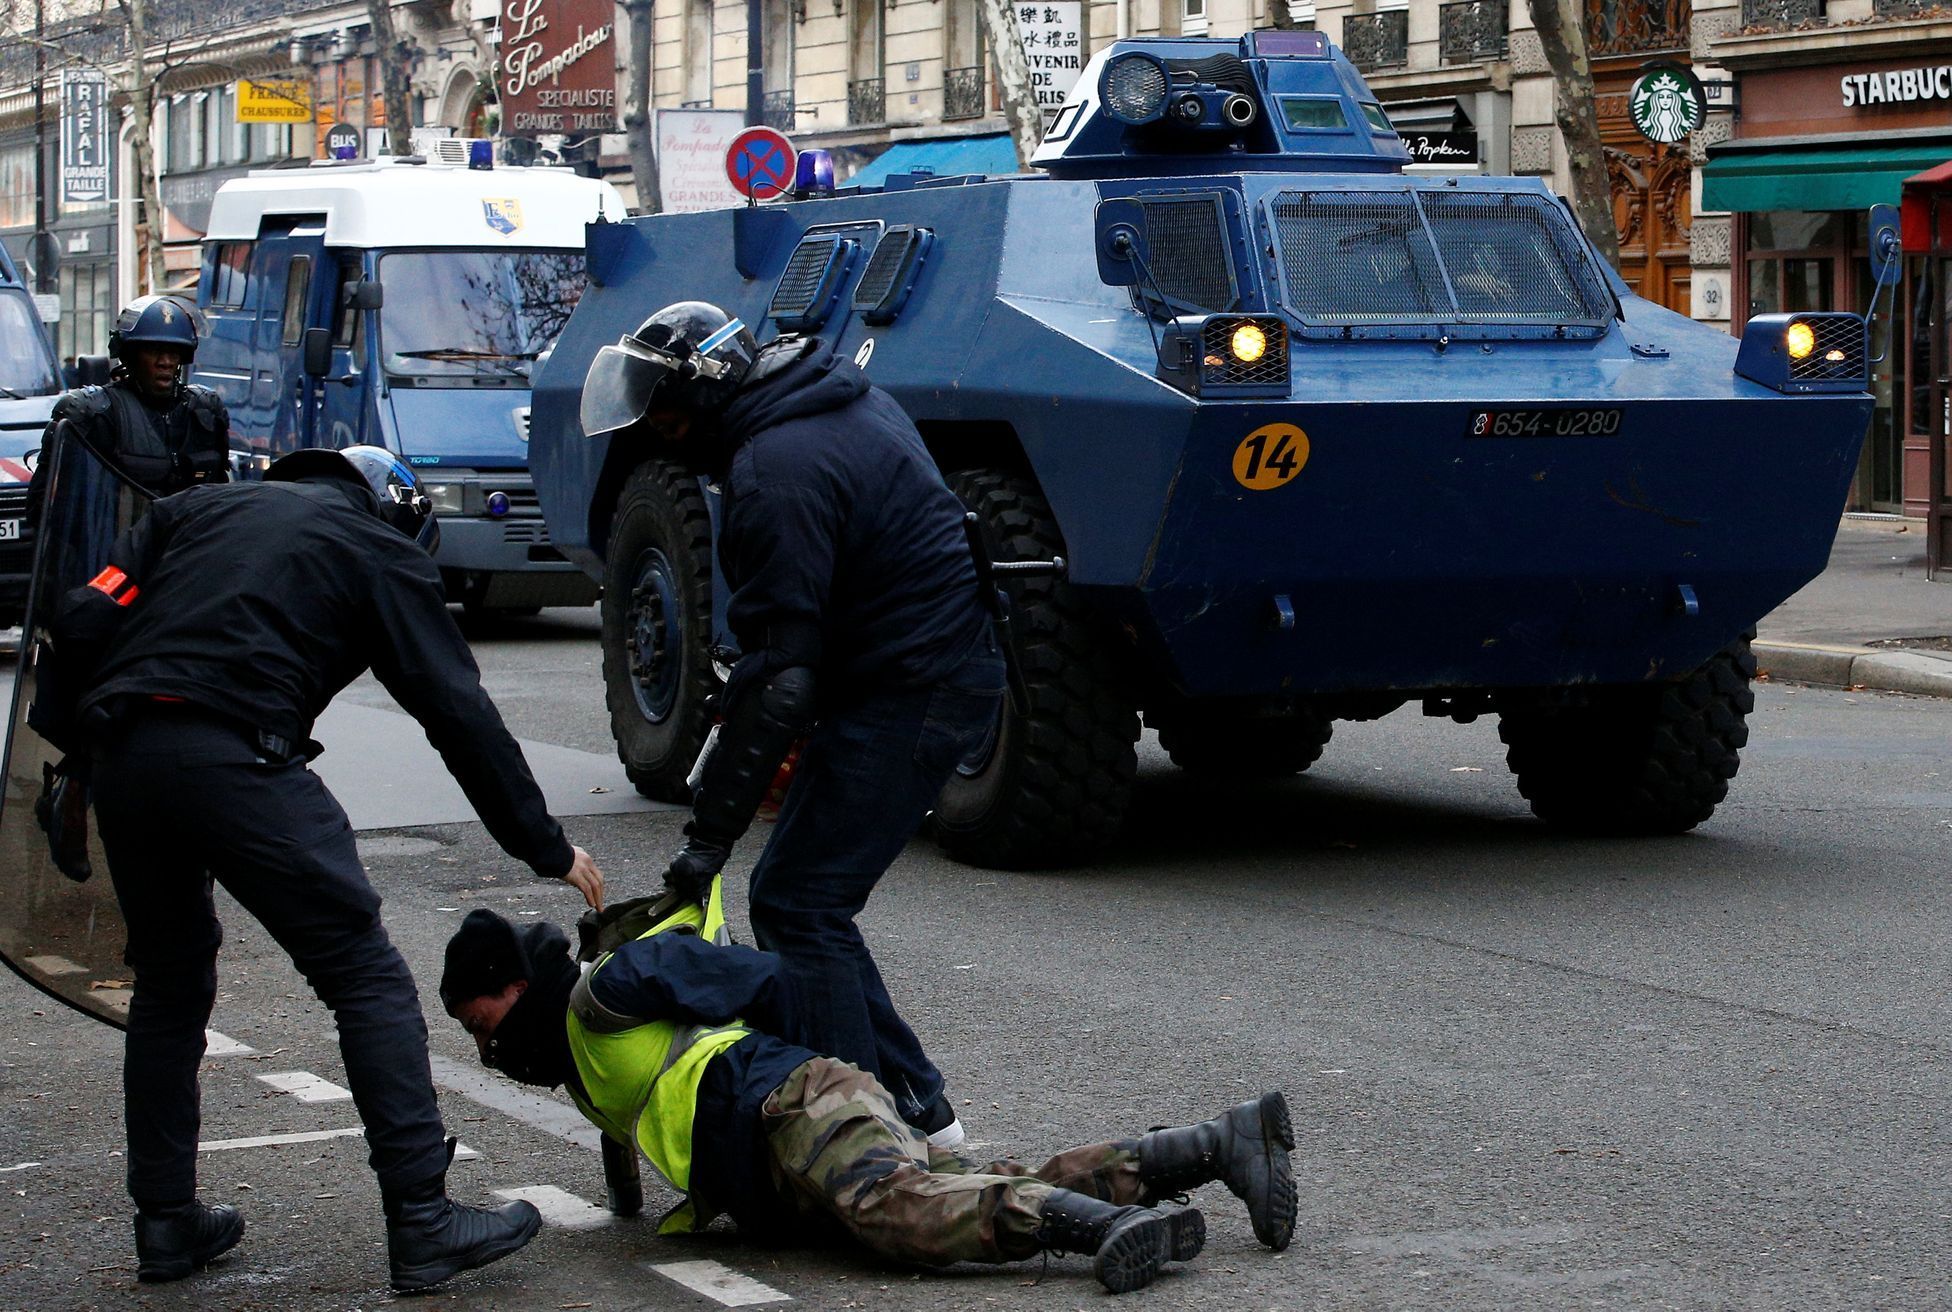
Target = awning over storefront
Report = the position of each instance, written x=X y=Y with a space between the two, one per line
x=949 y=158
x=1826 y=178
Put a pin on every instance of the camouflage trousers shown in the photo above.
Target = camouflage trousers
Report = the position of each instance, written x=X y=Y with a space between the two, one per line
x=842 y=1153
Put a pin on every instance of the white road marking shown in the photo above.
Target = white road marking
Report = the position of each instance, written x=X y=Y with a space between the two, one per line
x=223 y=1045
x=276 y=1140
x=558 y=1206
x=721 y=1284
x=53 y=965
x=21 y=1167
x=557 y=1119
x=305 y=1086
x=463 y=1153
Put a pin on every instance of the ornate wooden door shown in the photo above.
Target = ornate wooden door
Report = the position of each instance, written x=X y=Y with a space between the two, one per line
x=1653 y=205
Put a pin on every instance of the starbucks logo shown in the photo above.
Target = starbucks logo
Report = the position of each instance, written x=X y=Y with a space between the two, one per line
x=1666 y=103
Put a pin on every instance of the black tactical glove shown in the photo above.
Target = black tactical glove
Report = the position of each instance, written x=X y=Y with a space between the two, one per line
x=62 y=813
x=697 y=862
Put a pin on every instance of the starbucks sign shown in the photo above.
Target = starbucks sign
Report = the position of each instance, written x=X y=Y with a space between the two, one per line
x=1666 y=102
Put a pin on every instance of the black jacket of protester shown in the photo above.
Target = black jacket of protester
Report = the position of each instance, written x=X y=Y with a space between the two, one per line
x=259 y=601
x=841 y=544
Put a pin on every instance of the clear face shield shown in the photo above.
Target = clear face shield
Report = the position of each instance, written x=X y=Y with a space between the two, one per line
x=617 y=389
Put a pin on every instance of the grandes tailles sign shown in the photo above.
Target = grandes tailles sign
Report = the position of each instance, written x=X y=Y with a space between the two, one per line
x=84 y=136
x=1896 y=87
x=558 y=67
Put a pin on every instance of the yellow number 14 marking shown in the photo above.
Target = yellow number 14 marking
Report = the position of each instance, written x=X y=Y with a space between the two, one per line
x=1269 y=456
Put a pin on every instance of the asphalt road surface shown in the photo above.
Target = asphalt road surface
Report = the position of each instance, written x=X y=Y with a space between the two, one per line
x=1705 y=1072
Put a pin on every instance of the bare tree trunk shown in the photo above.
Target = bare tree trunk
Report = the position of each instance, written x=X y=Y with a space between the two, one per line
x=1013 y=78
x=1279 y=15
x=142 y=107
x=393 y=76
x=1562 y=31
x=638 y=118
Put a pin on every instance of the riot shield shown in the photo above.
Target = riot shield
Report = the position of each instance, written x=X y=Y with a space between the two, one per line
x=60 y=935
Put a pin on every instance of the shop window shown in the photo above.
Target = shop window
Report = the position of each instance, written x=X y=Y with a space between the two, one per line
x=298 y=283
x=85 y=309
x=1920 y=334
x=176 y=136
x=17 y=186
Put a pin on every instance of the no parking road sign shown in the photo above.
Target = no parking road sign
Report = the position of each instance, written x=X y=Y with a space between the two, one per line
x=760 y=163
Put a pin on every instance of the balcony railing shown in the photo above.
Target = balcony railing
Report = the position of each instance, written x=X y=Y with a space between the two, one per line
x=1472 y=31
x=1903 y=8
x=962 y=93
x=1783 y=15
x=1632 y=27
x=777 y=110
x=1373 y=41
x=867 y=101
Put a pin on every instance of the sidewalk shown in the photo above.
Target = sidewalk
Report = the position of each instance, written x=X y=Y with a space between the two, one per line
x=1869 y=620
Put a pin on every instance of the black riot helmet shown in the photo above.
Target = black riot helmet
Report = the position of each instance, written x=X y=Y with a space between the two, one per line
x=389 y=478
x=689 y=357
x=156 y=321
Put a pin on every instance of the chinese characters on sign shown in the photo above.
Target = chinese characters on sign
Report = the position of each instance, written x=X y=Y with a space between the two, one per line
x=558 y=68
x=84 y=136
x=1053 y=46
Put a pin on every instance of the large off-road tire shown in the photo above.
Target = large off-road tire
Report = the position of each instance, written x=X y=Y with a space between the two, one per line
x=1050 y=787
x=1229 y=745
x=657 y=627
x=1652 y=759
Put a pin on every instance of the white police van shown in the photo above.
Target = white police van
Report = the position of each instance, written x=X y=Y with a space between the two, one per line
x=405 y=302
x=30 y=380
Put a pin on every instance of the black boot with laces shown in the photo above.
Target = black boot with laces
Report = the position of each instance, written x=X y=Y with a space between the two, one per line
x=430 y=1238
x=1246 y=1149
x=171 y=1242
x=1127 y=1245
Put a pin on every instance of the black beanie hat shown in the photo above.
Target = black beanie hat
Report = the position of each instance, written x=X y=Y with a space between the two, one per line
x=487 y=954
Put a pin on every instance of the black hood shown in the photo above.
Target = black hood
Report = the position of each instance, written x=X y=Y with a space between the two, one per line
x=792 y=379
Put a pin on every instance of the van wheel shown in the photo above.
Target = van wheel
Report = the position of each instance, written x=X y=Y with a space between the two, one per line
x=1051 y=787
x=1211 y=741
x=1648 y=759
x=657 y=623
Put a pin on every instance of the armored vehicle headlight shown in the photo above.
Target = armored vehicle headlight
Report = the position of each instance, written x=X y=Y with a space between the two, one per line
x=1250 y=343
x=445 y=496
x=1801 y=340
x=1134 y=88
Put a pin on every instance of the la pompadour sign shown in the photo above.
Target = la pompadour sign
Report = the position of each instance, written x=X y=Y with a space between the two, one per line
x=558 y=67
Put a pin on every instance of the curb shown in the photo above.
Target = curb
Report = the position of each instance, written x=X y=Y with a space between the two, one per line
x=1856 y=667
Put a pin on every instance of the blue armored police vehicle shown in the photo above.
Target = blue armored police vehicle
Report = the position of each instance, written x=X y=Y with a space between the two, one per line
x=30 y=380
x=1316 y=438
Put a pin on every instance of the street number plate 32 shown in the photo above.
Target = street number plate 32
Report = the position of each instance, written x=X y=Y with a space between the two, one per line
x=1269 y=456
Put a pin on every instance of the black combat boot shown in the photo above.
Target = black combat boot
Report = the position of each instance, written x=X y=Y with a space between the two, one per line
x=171 y=1242
x=430 y=1238
x=1246 y=1148
x=1127 y=1245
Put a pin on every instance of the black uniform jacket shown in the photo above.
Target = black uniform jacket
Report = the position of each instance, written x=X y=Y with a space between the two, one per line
x=842 y=546
x=260 y=601
x=166 y=448
x=683 y=978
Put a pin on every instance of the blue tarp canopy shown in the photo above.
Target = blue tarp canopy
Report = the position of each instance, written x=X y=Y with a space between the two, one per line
x=946 y=159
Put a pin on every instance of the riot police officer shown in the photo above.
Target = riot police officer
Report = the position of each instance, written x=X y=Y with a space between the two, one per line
x=226 y=621
x=165 y=433
x=855 y=606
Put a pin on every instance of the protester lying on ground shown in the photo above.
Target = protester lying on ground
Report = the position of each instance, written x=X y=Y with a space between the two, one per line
x=668 y=1044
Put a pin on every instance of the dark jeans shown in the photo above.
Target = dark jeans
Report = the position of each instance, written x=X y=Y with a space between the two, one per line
x=179 y=799
x=869 y=775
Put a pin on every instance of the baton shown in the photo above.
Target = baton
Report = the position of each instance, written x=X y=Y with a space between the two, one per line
x=998 y=605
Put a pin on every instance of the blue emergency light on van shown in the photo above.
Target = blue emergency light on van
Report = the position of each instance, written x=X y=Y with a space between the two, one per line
x=404 y=303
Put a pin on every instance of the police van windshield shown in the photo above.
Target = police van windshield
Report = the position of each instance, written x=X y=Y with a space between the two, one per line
x=455 y=314
x=26 y=368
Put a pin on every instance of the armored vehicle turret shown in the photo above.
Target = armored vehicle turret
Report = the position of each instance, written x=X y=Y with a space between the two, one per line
x=1317 y=438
